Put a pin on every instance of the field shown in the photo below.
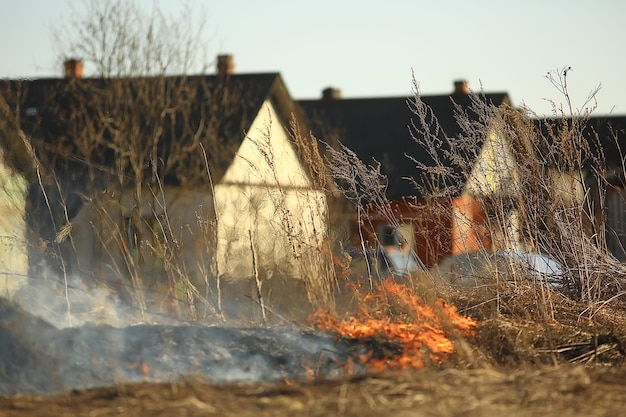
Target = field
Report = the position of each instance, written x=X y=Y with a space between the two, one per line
x=561 y=391
x=516 y=364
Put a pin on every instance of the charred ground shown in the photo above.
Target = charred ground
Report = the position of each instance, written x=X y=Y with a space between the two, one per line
x=523 y=360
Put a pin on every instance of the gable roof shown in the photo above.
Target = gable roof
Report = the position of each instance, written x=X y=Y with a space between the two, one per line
x=67 y=178
x=603 y=139
x=611 y=132
x=377 y=130
x=233 y=117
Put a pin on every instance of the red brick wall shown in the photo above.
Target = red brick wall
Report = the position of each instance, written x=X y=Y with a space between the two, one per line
x=441 y=229
x=431 y=224
x=469 y=229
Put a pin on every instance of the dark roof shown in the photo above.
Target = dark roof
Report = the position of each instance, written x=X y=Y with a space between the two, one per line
x=603 y=139
x=233 y=117
x=56 y=135
x=377 y=130
x=611 y=130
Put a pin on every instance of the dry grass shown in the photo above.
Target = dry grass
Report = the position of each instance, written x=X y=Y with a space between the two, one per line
x=534 y=195
x=542 y=190
x=567 y=391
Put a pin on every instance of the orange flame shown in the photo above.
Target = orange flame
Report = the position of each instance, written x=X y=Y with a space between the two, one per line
x=144 y=368
x=394 y=314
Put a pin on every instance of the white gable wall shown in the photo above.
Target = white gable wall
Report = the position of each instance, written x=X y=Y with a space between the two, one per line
x=495 y=173
x=267 y=141
x=266 y=210
x=13 y=248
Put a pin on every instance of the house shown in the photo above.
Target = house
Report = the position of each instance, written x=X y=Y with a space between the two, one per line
x=18 y=166
x=223 y=196
x=459 y=170
x=379 y=131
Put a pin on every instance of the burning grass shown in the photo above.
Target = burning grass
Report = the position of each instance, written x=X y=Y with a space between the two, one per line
x=398 y=329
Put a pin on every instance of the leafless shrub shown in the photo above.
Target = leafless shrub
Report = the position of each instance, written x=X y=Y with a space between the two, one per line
x=141 y=124
x=541 y=183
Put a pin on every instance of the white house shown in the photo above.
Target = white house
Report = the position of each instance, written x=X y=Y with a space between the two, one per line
x=17 y=167
x=261 y=220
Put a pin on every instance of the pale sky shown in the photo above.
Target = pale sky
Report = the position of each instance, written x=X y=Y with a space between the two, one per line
x=371 y=48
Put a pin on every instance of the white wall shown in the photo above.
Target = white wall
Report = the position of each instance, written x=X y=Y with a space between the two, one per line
x=494 y=171
x=13 y=247
x=187 y=216
x=264 y=204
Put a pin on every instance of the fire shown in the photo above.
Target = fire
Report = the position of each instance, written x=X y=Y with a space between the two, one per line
x=405 y=330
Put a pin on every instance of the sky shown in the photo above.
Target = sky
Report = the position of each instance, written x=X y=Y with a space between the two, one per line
x=376 y=48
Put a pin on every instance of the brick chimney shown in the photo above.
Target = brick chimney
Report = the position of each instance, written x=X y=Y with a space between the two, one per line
x=330 y=94
x=73 y=69
x=461 y=87
x=225 y=65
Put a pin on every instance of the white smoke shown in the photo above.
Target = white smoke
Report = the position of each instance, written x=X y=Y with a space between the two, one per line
x=96 y=339
x=64 y=301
